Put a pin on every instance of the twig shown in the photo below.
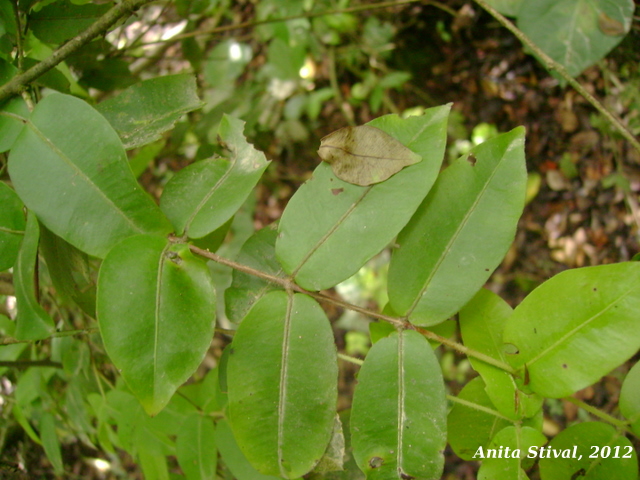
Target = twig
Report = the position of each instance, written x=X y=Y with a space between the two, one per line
x=18 y=83
x=619 y=424
x=551 y=64
x=400 y=323
x=64 y=333
x=30 y=363
x=256 y=23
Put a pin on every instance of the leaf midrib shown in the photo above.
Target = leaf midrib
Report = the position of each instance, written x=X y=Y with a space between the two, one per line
x=579 y=327
x=454 y=237
x=80 y=173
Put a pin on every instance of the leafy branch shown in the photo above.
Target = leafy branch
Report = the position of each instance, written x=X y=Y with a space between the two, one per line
x=400 y=323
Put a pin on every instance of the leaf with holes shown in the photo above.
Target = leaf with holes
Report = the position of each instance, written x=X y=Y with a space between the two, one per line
x=332 y=222
x=398 y=418
x=203 y=196
x=282 y=381
x=156 y=310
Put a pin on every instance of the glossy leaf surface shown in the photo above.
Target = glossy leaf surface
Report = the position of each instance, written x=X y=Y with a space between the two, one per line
x=398 y=417
x=156 y=309
x=12 y=225
x=576 y=327
x=280 y=393
x=482 y=322
x=142 y=112
x=257 y=252
x=576 y=33
x=332 y=222
x=203 y=196
x=461 y=231
x=365 y=155
x=614 y=457
x=69 y=167
x=32 y=321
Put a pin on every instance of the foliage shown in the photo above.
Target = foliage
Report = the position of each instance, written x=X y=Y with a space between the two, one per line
x=118 y=296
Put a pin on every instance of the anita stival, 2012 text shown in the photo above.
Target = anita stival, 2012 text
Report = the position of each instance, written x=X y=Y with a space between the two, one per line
x=550 y=452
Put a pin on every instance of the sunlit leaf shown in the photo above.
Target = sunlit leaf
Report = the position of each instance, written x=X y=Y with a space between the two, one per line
x=576 y=327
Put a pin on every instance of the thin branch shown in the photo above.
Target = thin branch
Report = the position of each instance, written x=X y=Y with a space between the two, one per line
x=480 y=408
x=551 y=64
x=619 y=424
x=64 y=333
x=19 y=82
x=256 y=23
x=400 y=323
x=30 y=363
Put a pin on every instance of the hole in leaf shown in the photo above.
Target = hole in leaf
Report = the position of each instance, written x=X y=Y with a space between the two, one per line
x=375 y=462
x=510 y=349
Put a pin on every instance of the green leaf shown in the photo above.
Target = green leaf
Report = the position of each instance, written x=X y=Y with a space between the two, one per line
x=602 y=454
x=196 y=448
x=476 y=409
x=203 y=196
x=576 y=327
x=156 y=309
x=11 y=122
x=12 y=225
x=630 y=398
x=576 y=33
x=511 y=445
x=398 y=417
x=317 y=229
x=509 y=8
x=365 y=155
x=279 y=393
x=69 y=167
x=50 y=442
x=257 y=252
x=32 y=321
x=461 y=232
x=233 y=457
x=70 y=270
x=60 y=21
x=142 y=112
x=482 y=322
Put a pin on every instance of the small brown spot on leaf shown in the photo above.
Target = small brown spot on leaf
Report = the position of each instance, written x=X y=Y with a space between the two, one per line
x=610 y=26
x=337 y=191
x=471 y=158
